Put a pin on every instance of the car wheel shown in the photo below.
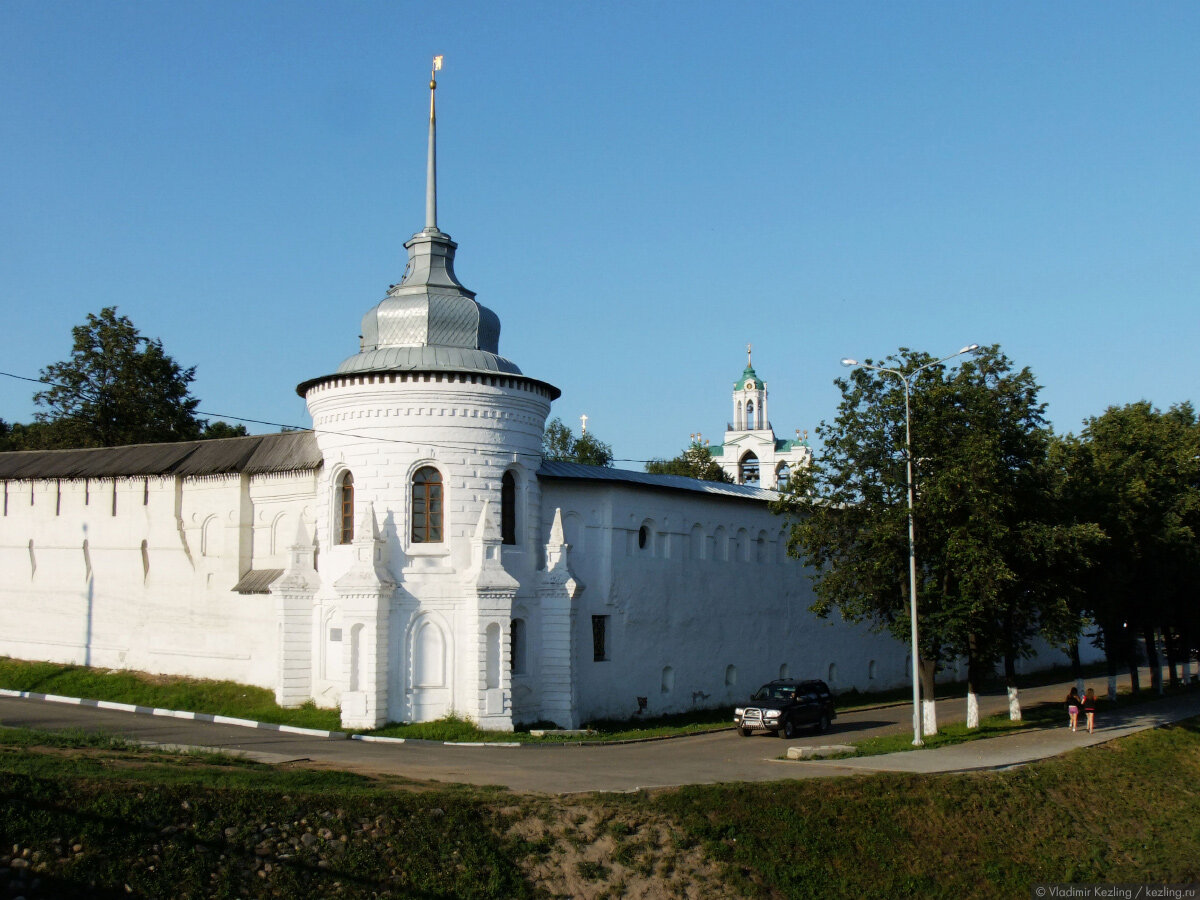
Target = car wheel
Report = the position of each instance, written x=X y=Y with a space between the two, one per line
x=823 y=725
x=744 y=732
x=788 y=731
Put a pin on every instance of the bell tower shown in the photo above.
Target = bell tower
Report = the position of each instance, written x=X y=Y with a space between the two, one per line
x=750 y=400
x=751 y=454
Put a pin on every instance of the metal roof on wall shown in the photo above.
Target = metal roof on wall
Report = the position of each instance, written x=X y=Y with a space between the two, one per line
x=579 y=472
x=288 y=451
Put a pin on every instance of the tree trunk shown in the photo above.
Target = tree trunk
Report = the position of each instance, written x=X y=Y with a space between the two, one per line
x=1131 y=654
x=972 y=684
x=1171 y=649
x=1010 y=680
x=1156 y=681
x=1077 y=665
x=1112 y=651
x=928 y=708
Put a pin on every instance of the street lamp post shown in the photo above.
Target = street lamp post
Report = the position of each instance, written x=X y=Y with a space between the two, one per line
x=906 y=381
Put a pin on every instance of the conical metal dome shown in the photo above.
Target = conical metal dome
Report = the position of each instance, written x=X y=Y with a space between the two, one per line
x=429 y=320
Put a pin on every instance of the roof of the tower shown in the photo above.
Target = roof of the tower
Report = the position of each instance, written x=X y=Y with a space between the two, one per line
x=429 y=322
x=748 y=374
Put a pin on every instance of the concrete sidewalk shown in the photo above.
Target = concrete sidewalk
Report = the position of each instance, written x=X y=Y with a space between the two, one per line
x=1018 y=749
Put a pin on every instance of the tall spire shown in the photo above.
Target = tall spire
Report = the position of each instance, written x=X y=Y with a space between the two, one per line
x=431 y=175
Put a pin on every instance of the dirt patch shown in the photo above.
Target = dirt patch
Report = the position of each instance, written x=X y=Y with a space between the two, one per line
x=587 y=849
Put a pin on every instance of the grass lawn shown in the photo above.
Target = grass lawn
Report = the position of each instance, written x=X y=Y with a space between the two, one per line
x=90 y=817
x=222 y=698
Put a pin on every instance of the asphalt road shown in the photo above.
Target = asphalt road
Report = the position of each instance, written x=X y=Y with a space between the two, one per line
x=716 y=757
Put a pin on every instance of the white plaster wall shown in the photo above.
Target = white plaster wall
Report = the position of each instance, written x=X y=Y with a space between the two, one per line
x=472 y=429
x=165 y=608
x=686 y=603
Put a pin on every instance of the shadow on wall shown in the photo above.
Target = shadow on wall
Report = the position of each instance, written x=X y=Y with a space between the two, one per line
x=91 y=599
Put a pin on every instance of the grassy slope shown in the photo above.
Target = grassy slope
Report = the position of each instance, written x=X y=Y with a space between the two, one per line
x=195 y=826
x=1124 y=811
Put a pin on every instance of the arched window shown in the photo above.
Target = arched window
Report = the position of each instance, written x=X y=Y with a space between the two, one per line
x=750 y=416
x=427 y=506
x=748 y=469
x=492 y=654
x=508 y=509
x=346 y=509
x=782 y=473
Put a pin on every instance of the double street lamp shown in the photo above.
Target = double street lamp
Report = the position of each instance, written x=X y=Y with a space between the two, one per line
x=907 y=380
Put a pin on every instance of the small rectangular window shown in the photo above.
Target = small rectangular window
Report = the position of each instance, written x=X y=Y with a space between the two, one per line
x=599 y=638
x=335 y=634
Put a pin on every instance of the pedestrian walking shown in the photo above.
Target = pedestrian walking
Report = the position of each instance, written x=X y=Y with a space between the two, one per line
x=1089 y=708
x=1073 y=708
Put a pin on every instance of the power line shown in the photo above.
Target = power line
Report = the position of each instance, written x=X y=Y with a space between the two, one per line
x=314 y=430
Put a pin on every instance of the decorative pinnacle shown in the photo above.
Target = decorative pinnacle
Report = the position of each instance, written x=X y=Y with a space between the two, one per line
x=431 y=173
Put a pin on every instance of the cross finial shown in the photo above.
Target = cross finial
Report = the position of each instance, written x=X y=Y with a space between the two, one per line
x=583 y=424
x=749 y=347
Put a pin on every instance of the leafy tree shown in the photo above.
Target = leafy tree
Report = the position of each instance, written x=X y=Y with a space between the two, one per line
x=694 y=462
x=117 y=388
x=1136 y=472
x=989 y=547
x=221 y=429
x=19 y=436
x=559 y=443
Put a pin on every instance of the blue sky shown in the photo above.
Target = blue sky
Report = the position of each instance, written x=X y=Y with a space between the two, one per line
x=637 y=190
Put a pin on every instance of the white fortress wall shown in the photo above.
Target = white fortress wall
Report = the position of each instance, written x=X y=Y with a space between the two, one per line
x=137 y=572
x=710 y=608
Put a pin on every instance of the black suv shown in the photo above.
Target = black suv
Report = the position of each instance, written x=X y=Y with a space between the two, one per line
x=783 y=706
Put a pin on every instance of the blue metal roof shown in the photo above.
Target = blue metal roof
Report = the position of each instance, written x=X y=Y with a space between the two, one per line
x=578 y=472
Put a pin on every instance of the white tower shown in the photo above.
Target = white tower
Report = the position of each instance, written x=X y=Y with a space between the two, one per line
x=432 y=427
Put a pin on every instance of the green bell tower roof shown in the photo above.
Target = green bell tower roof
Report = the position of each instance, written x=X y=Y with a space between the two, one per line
x=749 y=375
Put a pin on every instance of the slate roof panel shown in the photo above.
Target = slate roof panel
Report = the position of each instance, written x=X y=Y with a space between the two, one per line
x=579 y=472
x=289 y=451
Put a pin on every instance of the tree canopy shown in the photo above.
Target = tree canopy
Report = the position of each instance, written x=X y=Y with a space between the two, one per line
x=990 y=545
x=560 y=443
x=694 y=462
x=1135 y=471
x=117 y=387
